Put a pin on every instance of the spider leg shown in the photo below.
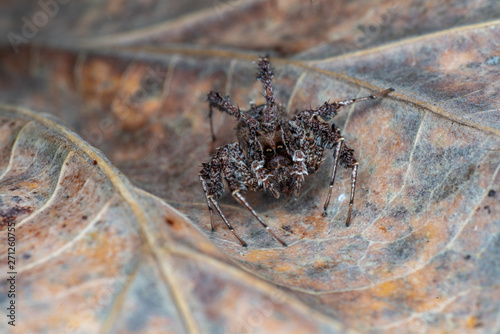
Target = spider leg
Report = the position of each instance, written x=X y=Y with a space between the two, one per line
x=345 y=156
x=213 y=187
x=265 y=76
x=329 y=110
x=219 y=210
x=210 y=112
x=370 y=97
x=354 y=174
x=338 y=149
x=328 y=137
x=205 y=189
x=224 y=105
x=229 y=163
x=244 y=202
x=211 y=201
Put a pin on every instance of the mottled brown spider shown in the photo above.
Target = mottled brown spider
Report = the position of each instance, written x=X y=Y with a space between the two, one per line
x=275 y=151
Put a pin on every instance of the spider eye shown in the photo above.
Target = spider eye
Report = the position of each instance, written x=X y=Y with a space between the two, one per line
x=280 y=148
x=268 y=152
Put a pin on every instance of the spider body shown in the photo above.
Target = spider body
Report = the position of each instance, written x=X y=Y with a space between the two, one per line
x=270 y=151
x=274 y=151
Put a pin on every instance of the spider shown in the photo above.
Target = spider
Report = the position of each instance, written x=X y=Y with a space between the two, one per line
x=274 y=151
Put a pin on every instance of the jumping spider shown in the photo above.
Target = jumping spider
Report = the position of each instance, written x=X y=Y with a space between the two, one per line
x=275 y=151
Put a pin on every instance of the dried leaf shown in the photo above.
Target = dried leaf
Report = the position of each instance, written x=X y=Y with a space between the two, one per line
x=96 y=254
x=421 y=255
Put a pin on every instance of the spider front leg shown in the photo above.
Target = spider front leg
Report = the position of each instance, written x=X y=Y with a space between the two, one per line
x=212 y=132
x=370 y=97
x=211 y=182
x=244 y=202
x=329 y=110
x=345 y=156
x=215 y=100
x=229 y=163
x=336 y=158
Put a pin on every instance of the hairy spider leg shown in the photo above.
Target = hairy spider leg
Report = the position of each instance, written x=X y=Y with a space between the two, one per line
x=338 y=149
x=229 y=163
x=329 y=110
x=354 y=174
x=205 y=189
x=224 y=105
x=211 y=199
x=265 y=76
x=212 y=131
x=244 y=202
x=351 y=163
x=210 y=115
x=370 y=97
x=217 y=207
x=216 y=100
x=325 y=110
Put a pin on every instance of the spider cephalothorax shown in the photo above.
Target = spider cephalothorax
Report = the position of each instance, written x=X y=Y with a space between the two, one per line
x=275 y=151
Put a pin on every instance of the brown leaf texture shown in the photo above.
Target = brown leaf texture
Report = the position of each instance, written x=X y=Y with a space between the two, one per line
x=109 y=252
x=98 y=255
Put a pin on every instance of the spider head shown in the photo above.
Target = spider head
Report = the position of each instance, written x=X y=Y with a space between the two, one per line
x=274 y=146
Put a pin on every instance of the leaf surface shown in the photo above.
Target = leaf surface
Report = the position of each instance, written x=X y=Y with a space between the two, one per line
x=96 y=254
x=421 y=254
